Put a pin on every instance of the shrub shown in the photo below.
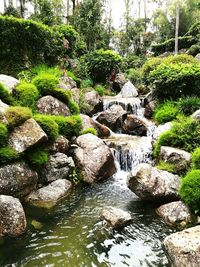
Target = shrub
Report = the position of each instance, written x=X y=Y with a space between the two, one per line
x=149 y=66
x=65 y=97
x=3 y=134
x=45 y=83
x=17 y=115
x=5 y=96
x=86 y=83
x=188 y=105
x=165 y=166
x=180 y=59
x=89 y=130
x=194 y=50
x=190 y=190
x=99 y=89
x=100 y=63
x=175 y=80
x=69 y=126
x=184 y=134
x=165 y=112
x=196 y=158
x=7 y=154
x=48 y=124
x=27 y=94
x=37 y=157
x=132 y=61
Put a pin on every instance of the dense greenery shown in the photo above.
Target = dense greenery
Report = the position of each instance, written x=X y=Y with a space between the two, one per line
x=5 y=95
x=17 y=115
x=45 y=83
x=190 y=190
x=26 y=94
x=37 y=157
x=196 y=158
x=7 y=155
x=166 y=112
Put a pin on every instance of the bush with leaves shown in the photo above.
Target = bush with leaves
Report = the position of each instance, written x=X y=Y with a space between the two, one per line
x=190 y=190
x=184 y=134
x=188 y=105
x=17 y=115
x=49 y=126
x=3 y=135
x=196 y=158
x=165 y=112
x=149 y=66
x=7 y=155
x=26 y=94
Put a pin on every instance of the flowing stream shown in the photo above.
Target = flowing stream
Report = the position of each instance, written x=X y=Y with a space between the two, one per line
x=72 y=235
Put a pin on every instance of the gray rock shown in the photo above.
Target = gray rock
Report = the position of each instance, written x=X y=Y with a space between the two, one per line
x=17 y=180
x=61 y=145
x=9 y=82
x=198 y=56
x=149 y=109
x=57 y=167
x=161 y=129
x=134 y=125
x=128 y=90
x=26 y=135
x=183 y=248
x=180 y=158
x=68 y=81
x=119 y=82
x=3 y=108
x=112 y=117
x=102 y=130
x=49 y=196
x=12 y=217
x=152 y=184
x=51 y=105
x=94 y=158
x=93 y=100
x=116 y=218
x=196 y=115
x=75 y=94
x=176 y=214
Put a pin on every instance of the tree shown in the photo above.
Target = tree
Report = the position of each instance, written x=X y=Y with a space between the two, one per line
x=177 y=26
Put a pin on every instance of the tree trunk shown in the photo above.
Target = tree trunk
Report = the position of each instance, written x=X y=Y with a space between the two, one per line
x=177 y=26
x=10 y=2
x=5 y=6
x=73 y=5
x=22 y=7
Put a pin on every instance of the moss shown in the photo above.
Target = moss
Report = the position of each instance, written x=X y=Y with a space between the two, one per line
x=17 y=115
x=165 y=166
x=100 y=89
x=48 y=124
x=26 y=94
x=5 y=96
x=89 y=130
x=37 y=157
x=3 y=134
x=165 y=112
x=45 y=83
x=196 y=158
x=190 y=190
x=7 y=155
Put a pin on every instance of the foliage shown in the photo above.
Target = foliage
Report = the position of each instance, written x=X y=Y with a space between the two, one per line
x=100 y=89
x=17 y=115
x=89 y=130
x=69 y=126
x=86 y=83
x=135 y=76
x=184 y=134
x=175 y=80
x=7 y=155
x=26 y=94
x=37 y=157
x=190 y=190
x=166 y=166
x=100 y=63
x=48 y=124
x=196 y=158
x=132 y=61
x=45 y=83
x=188 y=105
x=149 y=66
x=3 y=135
x=5 y=96
x=165 y=112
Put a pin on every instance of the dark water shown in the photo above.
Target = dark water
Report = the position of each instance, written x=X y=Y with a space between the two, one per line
x=73 y=236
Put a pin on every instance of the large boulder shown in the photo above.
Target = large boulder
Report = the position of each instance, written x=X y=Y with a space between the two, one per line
x=152 y=184
x=102 y=130
x=51 y=105
x=180 y=158
x=198 y=56
x=128 y=90
x=149 y=109
x=57 y=167
x=9 y=82
x=196 y=115
x=61 y=145
x=26 y=135
x=17 y=180
x=94 y=158
x=183 y=248
x=49 y=196
x=134 y=125
x=112 y=117
x=93 y=101
x=12 y=217
x=119 y=82
x=116 y=218
x=161 y=129
x=68 y=81
x=176 y=214
x=3 y=108
x=75 y=94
